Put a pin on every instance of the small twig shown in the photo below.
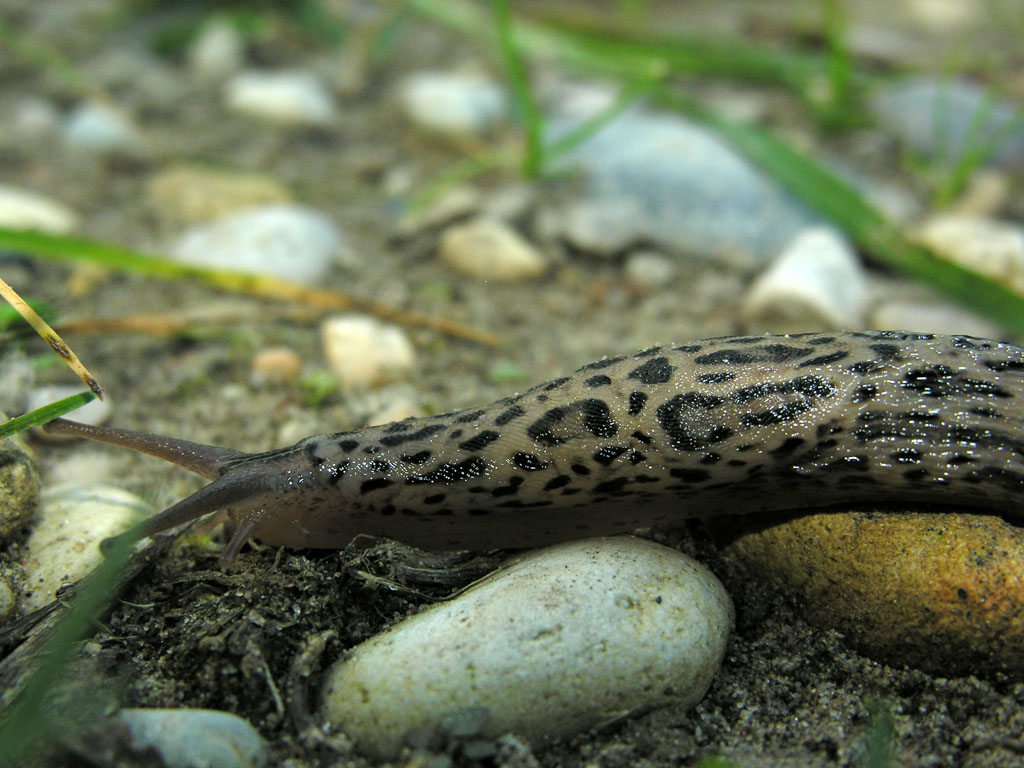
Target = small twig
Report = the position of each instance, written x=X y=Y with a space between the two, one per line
x=51 y=337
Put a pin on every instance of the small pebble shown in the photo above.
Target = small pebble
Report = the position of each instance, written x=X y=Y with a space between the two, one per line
x=93 y=412
x=19 y=484
x=455 y=203
x=452 y=103
x=196 y=738
x=21 y=209
x=649 y=271
x=99 y=128
x=817 y=282
x=987 y=194
x=488 y=249
x=218 y=51
x=363 y=352
x=70 y=523
x=191 y=194
x=933 y=317
x=35 y=117
x=987 y=246
x=938 y=591
x=945 y=117
x=7 y=601
x=289 y=241
x=276 y=365
x=292 y=97
x=559 y=641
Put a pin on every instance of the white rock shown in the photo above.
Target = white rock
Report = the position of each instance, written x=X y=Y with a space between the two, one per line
x=7 y=602
x=196 y=738
x=933 y=317
x=451 y=102
x=362 y=351
x=817 y=282
x=93 y=412
x=490 y=250
x=71 y=522
x=21 y=209
x=191 y=193
x=289 y=241
x=988 y=246
x=218 y=51
x=35 y=117
x=99 y=128
x=648 y=271
x=564 y=639
x=290 y=97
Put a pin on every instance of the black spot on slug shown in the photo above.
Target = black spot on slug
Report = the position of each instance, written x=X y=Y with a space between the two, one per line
x=479 y=441
x=451 y=472
x=608 y=453
x=527 y=462
x=511 y=414
x=420 y=434
x=654 y=371
x=599 y=380
x=375 y=484
x=637 y=401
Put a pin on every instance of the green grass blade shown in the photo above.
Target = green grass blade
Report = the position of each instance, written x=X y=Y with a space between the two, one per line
x=41 y=416
x=526 y=103
x=24 y=724
x=848 y=209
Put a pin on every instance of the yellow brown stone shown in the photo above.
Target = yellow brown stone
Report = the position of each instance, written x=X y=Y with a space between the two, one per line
x=942 y=592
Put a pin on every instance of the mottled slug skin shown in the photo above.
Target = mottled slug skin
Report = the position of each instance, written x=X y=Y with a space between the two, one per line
x=723 y=426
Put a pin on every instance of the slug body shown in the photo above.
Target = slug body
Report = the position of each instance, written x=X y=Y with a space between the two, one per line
x=723 y=426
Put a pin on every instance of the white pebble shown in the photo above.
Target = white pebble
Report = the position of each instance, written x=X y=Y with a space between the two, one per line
x=276 y=365
x=648 y=271
x=291 y=97
x=452 y=103
x=362 y=351
x=563 y=639
x=987 y=246
x=94 y=412
x=289 y=241
x=490 y=250
x=21 y=209
x=191 y=193
x=218 y=51
x=196 y=738
x=99 y=128
x=817 y=282
x=71 y=522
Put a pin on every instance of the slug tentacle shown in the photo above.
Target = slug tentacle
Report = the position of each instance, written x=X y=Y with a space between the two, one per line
x=735 y=425
x=206 y=460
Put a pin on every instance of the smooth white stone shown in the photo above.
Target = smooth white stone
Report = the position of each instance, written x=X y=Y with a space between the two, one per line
x=290 y=241
x=71 y=522
x=219 y=50
x=988 y=246
x=291 y=97
x=196 y=738
x=563 y=639
x=99 y=128
x=21 y=209
x=362 y=351
x=649 y=271
x=488 y=249
x=452 y=102
x=817 y=282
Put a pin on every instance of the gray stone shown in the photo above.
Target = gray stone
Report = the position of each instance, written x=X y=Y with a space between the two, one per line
x=662 y=179
x=946 y=117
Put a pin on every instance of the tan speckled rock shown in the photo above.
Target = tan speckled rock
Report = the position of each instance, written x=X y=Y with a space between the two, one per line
x=19 y=484
x=942 y=592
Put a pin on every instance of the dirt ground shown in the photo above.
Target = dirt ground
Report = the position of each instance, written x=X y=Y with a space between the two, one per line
x=187 y=633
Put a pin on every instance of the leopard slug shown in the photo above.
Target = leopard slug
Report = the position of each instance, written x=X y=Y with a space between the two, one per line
x=728 y=425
